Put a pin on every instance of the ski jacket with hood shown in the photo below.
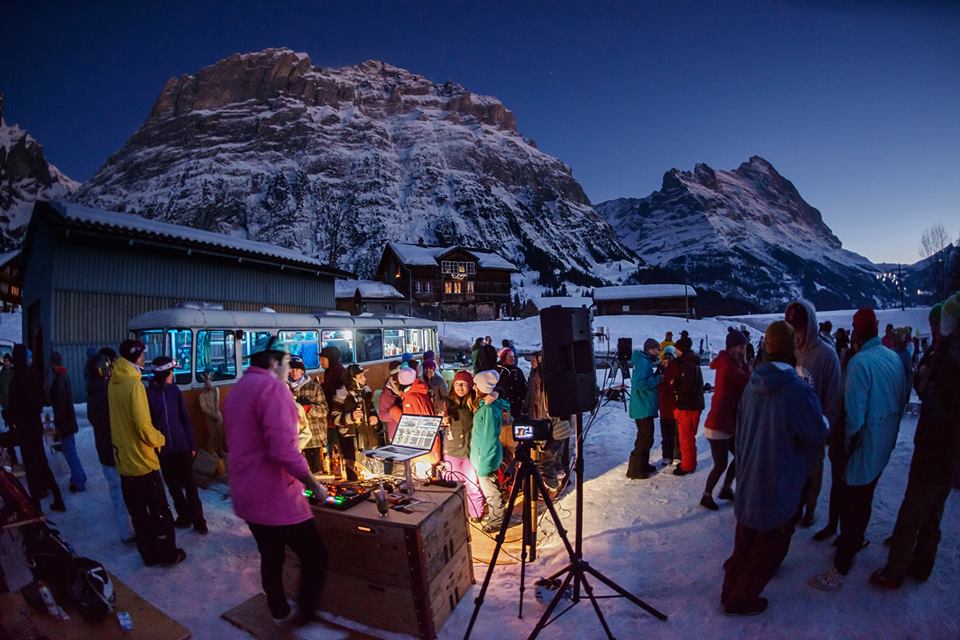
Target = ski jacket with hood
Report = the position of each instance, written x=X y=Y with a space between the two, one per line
x=732 y=377
x=390 y=406
x=486 y=452
x=874 y=402
x=644 y=386
x=61 y=401
x=819 y=365
x=688 y=384
x=135 y=439
x=260 y=417
x=779 y=429
x=169 y=414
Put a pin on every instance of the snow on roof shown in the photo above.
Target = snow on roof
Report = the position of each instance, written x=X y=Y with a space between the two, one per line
x=369 y=289
x=415 y=255
x=111 y=220
x=643 y=291
x=569 y=302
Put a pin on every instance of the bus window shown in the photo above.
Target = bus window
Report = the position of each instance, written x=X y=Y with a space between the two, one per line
x=180 y=343
x=216 y=355
x=340 y=338
x=392 y=343
x=430 y=340
x=415 y=341
x=303 y=344
x=369 y=345
x=250 y=340
x=154 y=341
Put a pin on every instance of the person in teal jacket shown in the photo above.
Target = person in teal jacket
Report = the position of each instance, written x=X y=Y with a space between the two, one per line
x=486 y=452
x=644 y=406
x=873 y=398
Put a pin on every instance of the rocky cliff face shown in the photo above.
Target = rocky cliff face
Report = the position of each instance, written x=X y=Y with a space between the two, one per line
x=25 y=176
x=747 y=236
x=335 y=162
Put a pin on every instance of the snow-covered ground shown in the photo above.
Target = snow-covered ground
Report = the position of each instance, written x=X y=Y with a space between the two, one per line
x=650 y=536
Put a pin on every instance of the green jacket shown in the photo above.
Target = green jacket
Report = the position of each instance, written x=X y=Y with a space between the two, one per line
x=486 y=452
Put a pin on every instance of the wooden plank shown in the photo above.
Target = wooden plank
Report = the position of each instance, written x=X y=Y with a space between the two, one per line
x=149 y=622
x=253 y=616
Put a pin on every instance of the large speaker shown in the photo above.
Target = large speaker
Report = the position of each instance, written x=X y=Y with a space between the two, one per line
x=625 y=348
x=569 y=374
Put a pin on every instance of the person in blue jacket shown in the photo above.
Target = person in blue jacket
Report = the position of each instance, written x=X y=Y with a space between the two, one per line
x=169 y=414
x=644 y=406
x=874 y=397
x=780 y=429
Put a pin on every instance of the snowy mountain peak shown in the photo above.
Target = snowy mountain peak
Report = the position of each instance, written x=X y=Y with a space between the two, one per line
x=337 y=162
x=747 y=234
x=25 y=176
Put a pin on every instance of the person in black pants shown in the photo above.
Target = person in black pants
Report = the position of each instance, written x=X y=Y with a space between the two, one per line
x=169 y=414
x=304 y=541
x=147 y=505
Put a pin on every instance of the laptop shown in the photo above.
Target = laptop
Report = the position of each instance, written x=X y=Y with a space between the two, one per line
x=414 y=438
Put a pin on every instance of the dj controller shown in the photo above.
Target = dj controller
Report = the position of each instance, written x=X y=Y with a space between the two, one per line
x=344 y=495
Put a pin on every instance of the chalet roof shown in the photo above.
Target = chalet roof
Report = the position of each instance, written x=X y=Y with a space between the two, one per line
x=569 y=302
x=134 y=226
x=415 y=255
x=369 y=290
x=643 y=292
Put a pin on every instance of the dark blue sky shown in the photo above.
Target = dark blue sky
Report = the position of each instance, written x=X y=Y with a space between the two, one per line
x=859 y=106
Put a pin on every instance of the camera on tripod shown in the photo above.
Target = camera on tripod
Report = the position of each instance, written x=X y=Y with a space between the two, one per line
x=527 y=430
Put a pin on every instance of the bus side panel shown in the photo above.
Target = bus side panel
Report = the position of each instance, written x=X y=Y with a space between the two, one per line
x=192 y=399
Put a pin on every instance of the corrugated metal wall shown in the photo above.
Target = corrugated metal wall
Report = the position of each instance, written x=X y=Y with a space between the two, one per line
x=99 y=287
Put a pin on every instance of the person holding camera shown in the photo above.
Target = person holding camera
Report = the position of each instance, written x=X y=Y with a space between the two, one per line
x=356 y=419
x=644 y=406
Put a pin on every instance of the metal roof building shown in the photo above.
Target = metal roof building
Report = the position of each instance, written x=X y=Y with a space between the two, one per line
x=86 y=272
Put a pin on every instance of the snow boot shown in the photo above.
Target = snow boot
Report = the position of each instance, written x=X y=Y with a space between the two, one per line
x=832 y=580
x=726 y=494
x=757 y=606
x=680 y=472
x=637 y=468
x=880 y=579
x=825 y=533
x=707 y=502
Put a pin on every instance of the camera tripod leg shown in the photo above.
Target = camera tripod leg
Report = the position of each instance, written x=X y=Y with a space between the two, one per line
x=579 y=569
x=545 y=618
x=507 y=514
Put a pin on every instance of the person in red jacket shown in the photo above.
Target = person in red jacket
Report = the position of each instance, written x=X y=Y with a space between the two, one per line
x=669 y=440
x=732 y=377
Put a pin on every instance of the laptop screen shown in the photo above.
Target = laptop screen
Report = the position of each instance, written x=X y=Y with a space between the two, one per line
x=416 y=431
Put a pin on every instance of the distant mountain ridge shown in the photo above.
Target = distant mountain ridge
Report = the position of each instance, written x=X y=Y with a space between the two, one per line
x=747 y=237
x=337 y=162
x=25 y=177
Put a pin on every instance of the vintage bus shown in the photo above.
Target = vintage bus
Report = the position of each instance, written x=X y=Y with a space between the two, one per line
x=215 y=342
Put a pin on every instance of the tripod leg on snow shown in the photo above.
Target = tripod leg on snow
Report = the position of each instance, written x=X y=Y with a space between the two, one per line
x=508 y=513
x=545 y=618
x=593 y=600
x=623 y=592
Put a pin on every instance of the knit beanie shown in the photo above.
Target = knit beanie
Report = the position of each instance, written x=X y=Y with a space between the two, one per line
x=650 y=343
x=503 y=353
x=406 y=376
x=735 y=339
x=131 y=349
x=796 y=315
x=685 y=344
x=486 y=381
x=670 y=352
x=949 y=314
x=464 y=376
x=865 y=324
x=429 y=355
x=779 y=340
x=429 y=364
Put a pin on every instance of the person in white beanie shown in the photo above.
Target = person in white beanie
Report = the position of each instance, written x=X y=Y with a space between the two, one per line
x=486 y=452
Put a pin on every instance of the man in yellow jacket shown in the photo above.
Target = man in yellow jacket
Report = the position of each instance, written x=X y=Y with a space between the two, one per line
x=135 y=444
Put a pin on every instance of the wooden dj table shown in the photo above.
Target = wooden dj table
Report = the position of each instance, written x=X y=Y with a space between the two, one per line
x=403 y=572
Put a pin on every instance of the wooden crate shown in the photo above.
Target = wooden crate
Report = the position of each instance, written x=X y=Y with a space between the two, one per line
x=403 y=573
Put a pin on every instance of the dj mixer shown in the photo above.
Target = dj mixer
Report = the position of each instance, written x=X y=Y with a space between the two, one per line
x=343 y=495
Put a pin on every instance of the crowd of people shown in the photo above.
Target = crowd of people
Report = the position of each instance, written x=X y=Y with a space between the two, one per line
x=809 y=391
x=776 y=410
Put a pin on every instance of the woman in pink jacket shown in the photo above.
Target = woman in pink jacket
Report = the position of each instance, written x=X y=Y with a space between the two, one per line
x=267 y=478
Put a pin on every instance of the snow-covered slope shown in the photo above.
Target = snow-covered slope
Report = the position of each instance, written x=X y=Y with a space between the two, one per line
x=25 y=177
x=747 y=234
x=336 y=162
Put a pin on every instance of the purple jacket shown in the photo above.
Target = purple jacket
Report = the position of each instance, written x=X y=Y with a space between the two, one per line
x=260 y=418
x=169 y=414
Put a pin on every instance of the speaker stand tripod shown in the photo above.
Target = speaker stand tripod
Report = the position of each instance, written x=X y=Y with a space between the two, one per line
x=577 y=570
